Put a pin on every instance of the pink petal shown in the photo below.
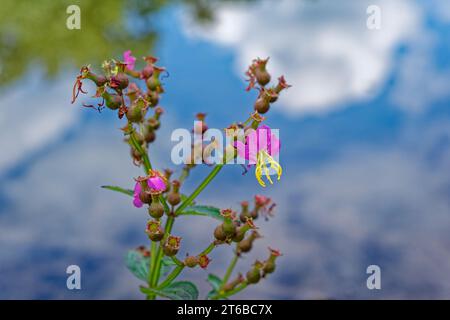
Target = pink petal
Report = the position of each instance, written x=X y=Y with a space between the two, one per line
x=240 y=146
x=156 y=183
x=137 y=190
x=137 y=202
x=274 y=146
x=129 y=59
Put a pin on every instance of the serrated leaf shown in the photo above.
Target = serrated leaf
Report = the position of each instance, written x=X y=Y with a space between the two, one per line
x=181 y=290
x=200 y=210
x=128 y=192
x=214 y=281
x=138 y=264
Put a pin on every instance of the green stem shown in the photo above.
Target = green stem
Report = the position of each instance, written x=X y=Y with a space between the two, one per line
x=144 y=155
x=231 y=292
x=200 y=188
x=230 y=270
x=177 y=261
x=208 y=249
x=155 y=273
x=157 y=269
x=171 y=276
x=152 y=263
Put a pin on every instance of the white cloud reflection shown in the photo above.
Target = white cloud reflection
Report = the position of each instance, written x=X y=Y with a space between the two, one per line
x=323 y=47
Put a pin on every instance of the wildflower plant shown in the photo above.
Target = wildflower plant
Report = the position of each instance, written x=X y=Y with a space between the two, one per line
x=119 y=87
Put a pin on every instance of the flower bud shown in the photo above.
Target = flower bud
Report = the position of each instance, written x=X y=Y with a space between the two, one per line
x=156 y=209
x=191 y=261
x=154 y=230
x=171 y=246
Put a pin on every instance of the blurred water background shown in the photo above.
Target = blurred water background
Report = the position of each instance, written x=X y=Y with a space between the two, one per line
x=365 y=135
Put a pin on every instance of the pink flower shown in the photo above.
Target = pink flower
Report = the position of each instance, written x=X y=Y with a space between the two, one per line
x=155 y=182
x=261 y=139
x=129 y=59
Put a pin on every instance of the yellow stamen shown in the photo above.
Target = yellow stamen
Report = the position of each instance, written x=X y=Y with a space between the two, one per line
x=262 y=161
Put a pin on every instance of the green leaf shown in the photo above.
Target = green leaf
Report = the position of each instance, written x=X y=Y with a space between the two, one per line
x=181 y=290
x=207 y=211
x=211 y=294
x=138 y=264
x=168 y=261
x=214 y=281
x=119 y=189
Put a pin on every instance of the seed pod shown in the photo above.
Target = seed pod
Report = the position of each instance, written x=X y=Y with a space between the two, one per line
x=219 y=234
x=269 y=267
x=245 y=245
x=152 y=98
x=244 y=213
x=262 y=76
x=112 y=101
x=174 y=198
x=154 y=123
x=240 y=234
x=153 y=83
x=156 y=209
x=191 y=261
x=99 y=80
x=145 y=196
x=134 y=113
x=262 y=105
x=171 y=246
x=147 y=72
x=154 y=230
x=119 y=81
x=149 y=134
x=253 y=276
